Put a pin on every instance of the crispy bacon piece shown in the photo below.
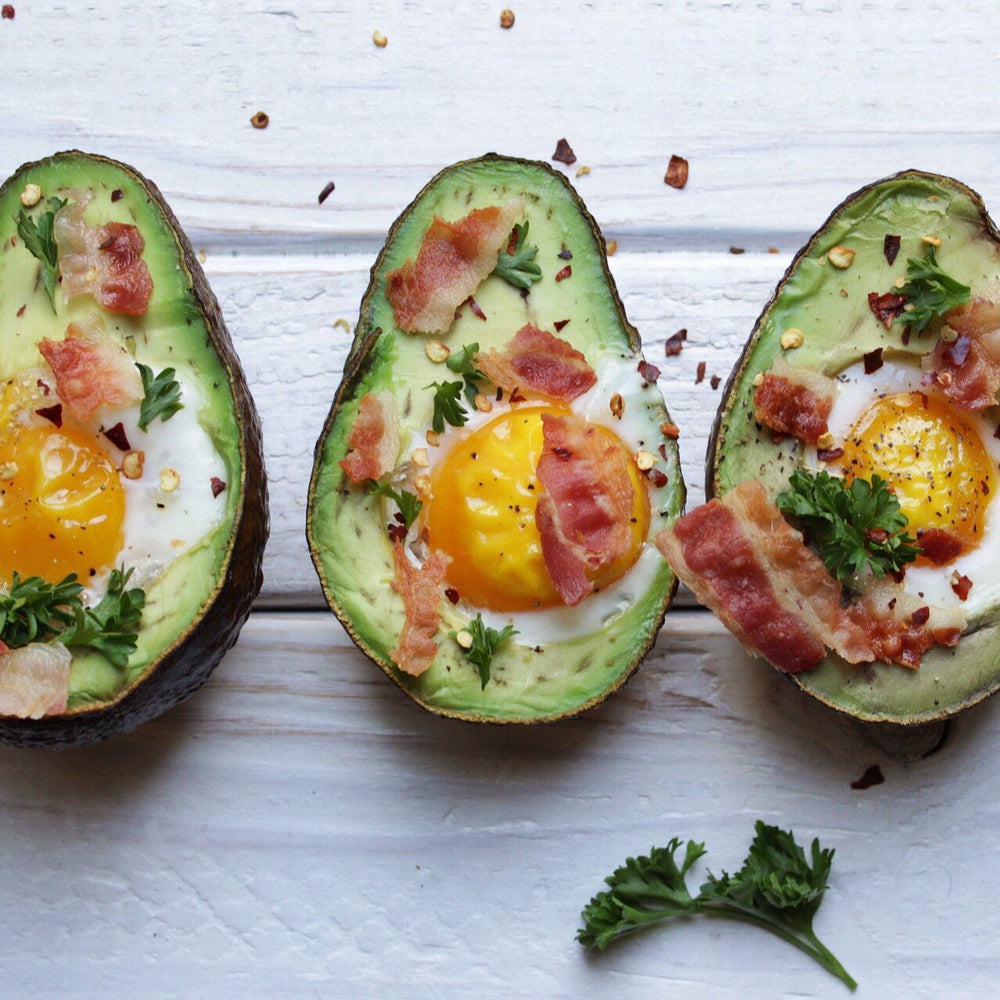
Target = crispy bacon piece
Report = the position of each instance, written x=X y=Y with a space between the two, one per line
x=373 y=443
x=105 y=261
x=967 y=371
x=887 y=307
x=539 y=361
x=940 y=546
x=748 y=565
x=91 y=368
x=453 y=259
x=584 y=515
x=34 y=680
x=421 y=590
x=792 y=400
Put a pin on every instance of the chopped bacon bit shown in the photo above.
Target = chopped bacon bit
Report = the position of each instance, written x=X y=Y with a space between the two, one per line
x=890 y=247
x=51 y=413
x=20 y=311
x=563 y=153
x=559 y=324
x=962 y=586
x=940 y=546
x=34 y=680
x=373 y=444
x=968 y=370
x=117 y=194
x=218 y=485
x=117 y=436
x=540 y=361
x=677 y=172
x=420 y=588
x=793 y=401
x=649 y=373
x=328 y=189
x=830 y=454
x=921 y=616
x=873 y=361
x=675 y=342
x=887 y=307
x=873 y=774
x=563 y=273
x=700 y=373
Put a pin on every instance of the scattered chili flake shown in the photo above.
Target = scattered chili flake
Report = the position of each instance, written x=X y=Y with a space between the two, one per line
x=669 y=430
x=886 y=306
x=612 y=247
x=559 y=324
x=217 y=486
x=20 y=311
x=872 y=776
x=379 y=39
x=506 y=18
x=873 y=361
x=51 y=413
x=715 y=380
x=829 y=454
x=452 y=594
x=650 y=373
x=920 y=616
x=563 y=153
x=582 y=171
x=700 y=375
x=7 y=12
x=260 y=120
x=44 y=386
x=326 y=192
x=962 y=586
x=736 y=250
x=677 y=172
x=657 y=477
x=563 y=274
x=675 y=342
x=890 y=247
x=476 y=309
x=117 y=436
x=117 y=194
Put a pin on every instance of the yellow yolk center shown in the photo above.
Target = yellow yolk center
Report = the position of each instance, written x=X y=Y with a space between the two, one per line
x=933 y=459
x=482 y=514
x=61 y=504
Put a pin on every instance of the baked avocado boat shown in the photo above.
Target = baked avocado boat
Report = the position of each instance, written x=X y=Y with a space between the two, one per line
x=497 y=458
x=852 y=469
x=133 y=507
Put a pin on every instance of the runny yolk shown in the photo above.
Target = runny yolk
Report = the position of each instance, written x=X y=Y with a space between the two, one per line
x=933 y=459
x=61 y=504
x=482 y=513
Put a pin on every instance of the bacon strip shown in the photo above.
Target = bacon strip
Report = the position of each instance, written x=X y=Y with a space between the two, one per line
x=374 y=439
x=796 y=401
x=967 y=371
x=34 y=680
x=91 y=368
x=748 y=565
x=584 y=515
x=453 y=259
x=421 y=590
x=538 y=361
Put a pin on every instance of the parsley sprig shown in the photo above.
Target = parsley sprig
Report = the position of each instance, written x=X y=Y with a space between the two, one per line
x=929 y=292
x=518 y=267
x=162 y=395
x=485 y=642
x=448 y=406
x=35 y=610
x=463 y=362
x=853 y=527
x=778 y=888
x=409 y=504
x=38 y=237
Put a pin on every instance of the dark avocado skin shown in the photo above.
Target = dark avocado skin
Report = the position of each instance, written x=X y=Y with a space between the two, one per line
x=879 y=693
x=188 y=664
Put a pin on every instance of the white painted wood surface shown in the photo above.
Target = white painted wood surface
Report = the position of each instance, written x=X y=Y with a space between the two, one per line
x=299 y=829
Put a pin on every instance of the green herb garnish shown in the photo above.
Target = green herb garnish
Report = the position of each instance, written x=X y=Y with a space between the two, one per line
x=517 y=267
x=929 y=292
x=853 y=527
x=38 y=237
x=447 y=405
x=463 y=363
x=162 y=395
x=485 y=641
x=409 y=504
x=777 y=888
x=34 y=610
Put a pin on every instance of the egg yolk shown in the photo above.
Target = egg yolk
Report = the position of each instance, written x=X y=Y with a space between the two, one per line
x=482 y=513
x=932 y=458
x=62 y=504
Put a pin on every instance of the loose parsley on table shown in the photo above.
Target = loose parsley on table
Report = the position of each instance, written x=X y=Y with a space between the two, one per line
x=778 y=888
x=485 y=642
x=517 y=267
x=162 y=395
x=38 y=237
x=929 y=292
x=853 y=527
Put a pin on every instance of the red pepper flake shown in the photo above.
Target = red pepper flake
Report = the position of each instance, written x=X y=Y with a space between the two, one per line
x=516 y=397
x=559 y=324
x=116 y=435
x=887 y=306
x=873 y=361
x=476 y=310
x=920 y=616
x=117 y=194
x=671 y=431
x=43 y=386
x=7 y=12
x=890 y=247
x=962 y=586
x=715 y=380
x=700 y=374
x=326 y=192
x=20 y=311
x=563 y=153
x=51 y=413
x=677 y=172
x=452 y=594
x=657 y=477
x=872 y=776
x=829 y=454
x=675 y=342
x=564 y=273
x=217 y=486
x=649 y=373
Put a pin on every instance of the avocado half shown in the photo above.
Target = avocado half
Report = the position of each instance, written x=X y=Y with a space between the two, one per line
x=194 y=611
x=346 y=525
x=830 y=306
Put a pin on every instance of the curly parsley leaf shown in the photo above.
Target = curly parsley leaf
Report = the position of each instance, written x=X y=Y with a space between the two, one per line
x=517 y=266
x=448 y=406
x=110 y=626
x=778 y=888
x=463 y=363
x=37 y=235
x=409 y=504
x=929 y=292
x=162 y=395
x=484 y=643
x=853 y=527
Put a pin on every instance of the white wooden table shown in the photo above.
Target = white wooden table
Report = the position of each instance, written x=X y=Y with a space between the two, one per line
x=299 y=828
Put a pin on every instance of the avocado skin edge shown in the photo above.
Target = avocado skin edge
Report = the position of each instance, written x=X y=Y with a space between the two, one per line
x=876 y=721
x=185 y=667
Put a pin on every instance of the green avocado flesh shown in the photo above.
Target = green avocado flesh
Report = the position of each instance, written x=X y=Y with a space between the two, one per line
x=830 y=306
x=194 y=608
x=347 y=525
